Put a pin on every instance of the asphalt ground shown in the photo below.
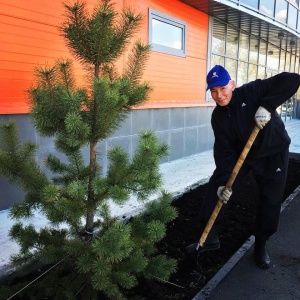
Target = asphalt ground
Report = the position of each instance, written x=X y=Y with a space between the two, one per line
x=241 y=279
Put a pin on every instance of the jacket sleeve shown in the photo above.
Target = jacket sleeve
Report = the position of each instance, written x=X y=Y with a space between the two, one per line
x=277 y=89
x=224 y=153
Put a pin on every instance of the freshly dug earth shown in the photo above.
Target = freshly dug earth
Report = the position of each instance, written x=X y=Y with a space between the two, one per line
x=185 y=229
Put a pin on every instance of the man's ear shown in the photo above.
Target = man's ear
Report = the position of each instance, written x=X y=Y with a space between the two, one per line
x=232 y=83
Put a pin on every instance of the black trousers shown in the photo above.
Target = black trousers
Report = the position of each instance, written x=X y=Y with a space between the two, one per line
x=270 y=174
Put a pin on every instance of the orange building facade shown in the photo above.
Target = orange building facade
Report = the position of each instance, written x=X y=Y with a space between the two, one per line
x=30 y=37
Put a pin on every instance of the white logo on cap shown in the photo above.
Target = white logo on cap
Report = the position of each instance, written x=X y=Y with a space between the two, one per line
x=214 y=75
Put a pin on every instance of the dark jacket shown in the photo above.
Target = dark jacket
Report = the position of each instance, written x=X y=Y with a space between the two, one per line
x=233 y=124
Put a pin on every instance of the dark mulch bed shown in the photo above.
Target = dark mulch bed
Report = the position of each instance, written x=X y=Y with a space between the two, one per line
x=236 y=229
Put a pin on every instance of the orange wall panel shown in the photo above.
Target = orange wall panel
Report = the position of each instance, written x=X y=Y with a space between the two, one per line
x=29 y=37
x=176 y=79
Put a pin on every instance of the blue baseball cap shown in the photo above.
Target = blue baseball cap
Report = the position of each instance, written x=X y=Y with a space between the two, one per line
x=217 y=76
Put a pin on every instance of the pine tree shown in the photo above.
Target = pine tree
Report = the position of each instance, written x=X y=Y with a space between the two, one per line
x=91 y=251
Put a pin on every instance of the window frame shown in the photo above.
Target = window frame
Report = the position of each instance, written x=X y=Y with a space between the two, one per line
x=153 y=14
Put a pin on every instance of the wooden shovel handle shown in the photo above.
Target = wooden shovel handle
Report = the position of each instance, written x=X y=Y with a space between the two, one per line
x=228 y=185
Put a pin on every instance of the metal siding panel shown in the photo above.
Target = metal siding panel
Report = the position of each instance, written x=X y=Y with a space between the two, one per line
x=29 y=37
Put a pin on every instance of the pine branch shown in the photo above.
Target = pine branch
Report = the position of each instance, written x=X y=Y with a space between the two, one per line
x=126 y=27
x=76 y=33
x=66 y=75
x=17 y=162
x=136 y=63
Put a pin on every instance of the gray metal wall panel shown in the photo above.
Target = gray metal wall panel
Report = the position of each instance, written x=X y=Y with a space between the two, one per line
x=186 y=130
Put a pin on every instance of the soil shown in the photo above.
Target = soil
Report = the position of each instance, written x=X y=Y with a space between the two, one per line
x=185 y=229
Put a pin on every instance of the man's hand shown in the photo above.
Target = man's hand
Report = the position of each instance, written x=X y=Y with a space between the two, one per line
x=262 y=117
x=224 y=194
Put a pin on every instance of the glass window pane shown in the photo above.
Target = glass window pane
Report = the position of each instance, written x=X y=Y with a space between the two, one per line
x=252 y=72
x=292 y=68
x=217 y=60
x=298 y=24
x=281 y=10
x=268 y=74
x=244 y=47
x=232 y=42
x=262 y=53
x=242 y=73
x=252 y=3
x=297 y=65
x=231 y=67
x=282 y=61
x=292 y=16
x=261 y=72
x=273 y=57
x=253 y=56
x=218 y=39
x=287 y=62
x=166 y=34
x=267 y=7
x=295 y=2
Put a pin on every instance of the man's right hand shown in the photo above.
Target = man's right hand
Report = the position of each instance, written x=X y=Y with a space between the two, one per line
x=224 y=194
x=262 y=117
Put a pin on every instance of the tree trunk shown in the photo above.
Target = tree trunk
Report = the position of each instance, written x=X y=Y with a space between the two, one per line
x=90 y=205
x=93 y=161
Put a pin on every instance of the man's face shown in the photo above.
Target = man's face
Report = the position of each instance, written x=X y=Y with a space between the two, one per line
x=223 y=94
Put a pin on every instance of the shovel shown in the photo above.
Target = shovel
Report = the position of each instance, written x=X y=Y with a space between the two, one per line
x=194 y=248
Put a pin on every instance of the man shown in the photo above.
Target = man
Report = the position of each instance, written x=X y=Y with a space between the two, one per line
x=237 y=111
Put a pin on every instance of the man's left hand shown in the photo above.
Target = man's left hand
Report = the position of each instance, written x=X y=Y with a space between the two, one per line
x=262 y=117
x=224 y=193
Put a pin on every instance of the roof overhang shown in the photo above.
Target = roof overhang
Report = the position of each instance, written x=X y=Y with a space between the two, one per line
x=249 y=21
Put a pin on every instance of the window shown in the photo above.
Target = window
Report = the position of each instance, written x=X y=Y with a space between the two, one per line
x=298 y=24
x=273 y=57
x=167 y=34
x=232 y=42
x=256 y=57
x=252 y=3
x=282 y=60
x=219 y=38
x=242 y=73
x=281 y=11
x=217 y=60
x=295 y=2
x=293 y=63
x=261 y=72
x=267 y=7
x=297 y=65
x=231 y=66
x=262 y=55
x=244 y=47
x=254 y=45
x=292 y=16
x=252 y=72
x=288 y=59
